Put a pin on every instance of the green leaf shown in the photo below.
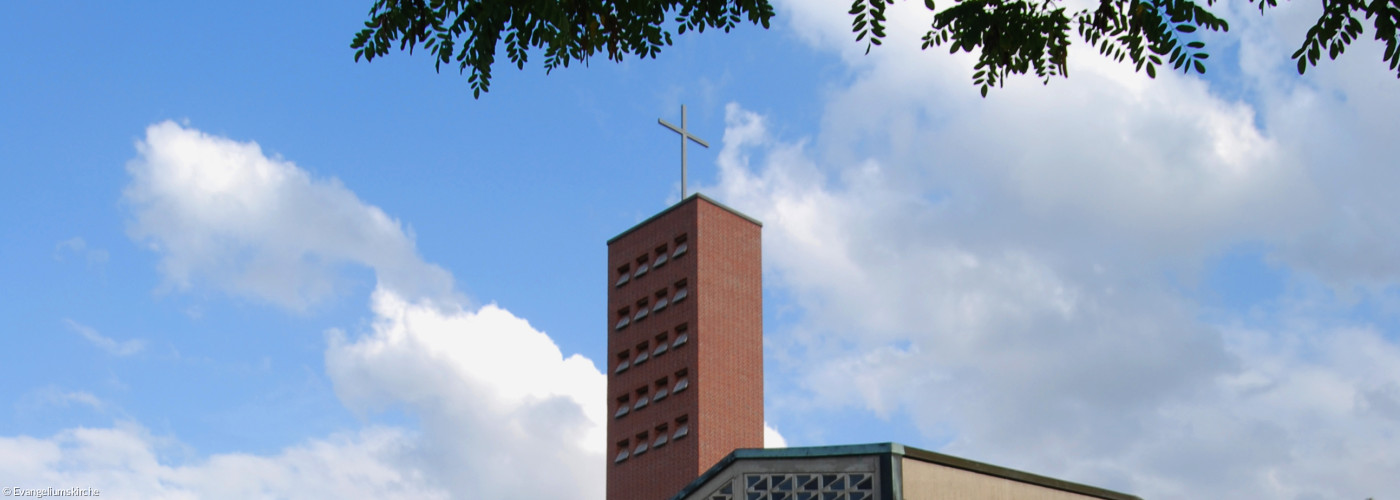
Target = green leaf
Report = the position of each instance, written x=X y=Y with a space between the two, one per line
x=1151 y=71
x=1200 y=67
x=1186 y=28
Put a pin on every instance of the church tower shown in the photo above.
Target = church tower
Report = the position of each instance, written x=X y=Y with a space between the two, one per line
x=685 y=346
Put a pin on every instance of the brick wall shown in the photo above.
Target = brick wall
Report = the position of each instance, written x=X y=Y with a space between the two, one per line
x=722 y=357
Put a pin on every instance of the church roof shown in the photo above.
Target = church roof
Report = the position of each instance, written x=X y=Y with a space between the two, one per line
x=887 y=453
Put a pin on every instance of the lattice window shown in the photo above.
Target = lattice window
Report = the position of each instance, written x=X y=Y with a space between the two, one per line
x=725 y=492
x=831 y=486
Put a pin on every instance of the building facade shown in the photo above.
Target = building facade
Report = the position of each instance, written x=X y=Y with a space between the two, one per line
x=685 y=385
x=685 y=346
x=884 y=471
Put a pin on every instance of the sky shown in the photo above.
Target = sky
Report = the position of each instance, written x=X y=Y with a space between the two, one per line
x=238 y=264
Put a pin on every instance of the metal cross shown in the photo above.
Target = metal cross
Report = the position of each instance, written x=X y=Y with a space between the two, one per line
x=685 y=134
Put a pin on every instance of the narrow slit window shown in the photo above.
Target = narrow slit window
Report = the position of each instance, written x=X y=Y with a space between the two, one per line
x=622 y=451
x=682 y=336
x=682 y=381
x=661 y=345
x=682 y=291
x=623 y=406
x=661 y=432
x=642 y=441
x=622 y=363
x=681 y=247
x=624 y=318
x=660 y=301
x=682 y=428
x=642 y=354
x=641 y=313
x=641 y=399
x=661 y=257
x=641 y=267
x=663 y=387
x=625 y=275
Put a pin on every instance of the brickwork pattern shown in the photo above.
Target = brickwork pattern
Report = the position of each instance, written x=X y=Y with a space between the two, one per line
x=720 y=359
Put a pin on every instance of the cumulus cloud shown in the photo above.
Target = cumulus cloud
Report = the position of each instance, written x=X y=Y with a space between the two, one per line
x=113 y=347
x=1034 y=355
x=1018 y=276
x=221 y=213
x=126 y=461
x=501 y=412
x=771 y=437
x=495 y=396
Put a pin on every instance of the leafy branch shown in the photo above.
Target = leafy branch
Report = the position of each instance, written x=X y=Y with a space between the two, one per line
x=568 y=30
x=1011 y=37
x=1017 y=37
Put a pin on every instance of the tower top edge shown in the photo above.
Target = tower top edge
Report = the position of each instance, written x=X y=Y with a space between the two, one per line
x=694 y=198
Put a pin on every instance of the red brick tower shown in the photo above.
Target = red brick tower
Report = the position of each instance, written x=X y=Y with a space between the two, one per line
x=685 y=346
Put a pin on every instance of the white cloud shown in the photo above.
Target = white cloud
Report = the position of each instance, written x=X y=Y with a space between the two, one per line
x=54 y=396
x=502 y=412
x=771 y=437
x=1019 y=280
x=125 y=461
x=113 y=347
x=78 y=246
x=495 y=398
x=222 y=213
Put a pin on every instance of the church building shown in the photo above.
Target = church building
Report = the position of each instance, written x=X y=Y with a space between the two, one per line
x=685 y=383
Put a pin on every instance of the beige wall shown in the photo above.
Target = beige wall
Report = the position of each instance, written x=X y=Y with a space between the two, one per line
x=927 y=481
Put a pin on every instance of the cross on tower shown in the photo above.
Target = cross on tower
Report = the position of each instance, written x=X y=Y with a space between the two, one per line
x=685 y=134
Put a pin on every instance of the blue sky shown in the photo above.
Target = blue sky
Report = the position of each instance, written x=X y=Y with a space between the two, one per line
x=239 y=264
